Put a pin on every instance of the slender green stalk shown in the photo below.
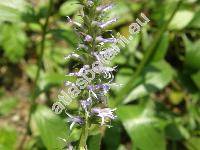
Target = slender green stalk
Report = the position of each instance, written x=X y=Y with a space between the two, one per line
x=41 y=53
x=84 y=136
x=147 y=57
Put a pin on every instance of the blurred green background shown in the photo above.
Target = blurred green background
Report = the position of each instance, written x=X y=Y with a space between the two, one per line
x=157 y=109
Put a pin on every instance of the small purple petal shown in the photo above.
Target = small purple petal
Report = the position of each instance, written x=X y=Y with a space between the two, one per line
x=74 y=120
x=104 y=8
x=108 y=40
x=88 y=38
x=104 y=113
x=86 y=103
x=105 y=24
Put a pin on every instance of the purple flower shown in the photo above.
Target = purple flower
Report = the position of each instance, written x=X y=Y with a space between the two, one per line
x=108 y=40
x=104 y=8
x=88 y=38
x=81 y=71
x=104 y=87
x=105 y=24
x=86 y=103
x=104 y=114
x=74 y=120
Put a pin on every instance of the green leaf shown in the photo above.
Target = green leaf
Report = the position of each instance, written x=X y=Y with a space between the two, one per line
x=176 y=132
x=31 y=70
x=195 y=23
x=181 y=19
x=94 y=142
x=122 y=11
x=8 y=14
x=13 y=41
x=123 y=76
x=115 y=132
x=192 y=53
x=50 y=127
x=53 y=79
x=155 y=77
x=67 y=35
x=196 y=79
x=8 y=138
x=146 y=131
x=69 y=7
x=193 y=143
x=162 y=47
x=10 y=10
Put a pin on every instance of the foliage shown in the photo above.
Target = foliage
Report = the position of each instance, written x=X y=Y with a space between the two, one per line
x=158 y=104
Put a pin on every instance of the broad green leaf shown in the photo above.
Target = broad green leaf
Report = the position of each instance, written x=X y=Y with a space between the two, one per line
x=192 y=53
x=8 y=14
x=67 y=35
x=114 y=131
x=145 y=130
x=122 y=11
x=195 y=23
x=155 y=77
x=181 y=19
x=69 y=7
x=31 y=70
x=50 y=127
x=94 y=142
x=10 y=10
x=8 y=138
x=196 y=79
x=193 y=143
x=176 y=132
x=15 y=4
x=54 y=79
x=13 y=40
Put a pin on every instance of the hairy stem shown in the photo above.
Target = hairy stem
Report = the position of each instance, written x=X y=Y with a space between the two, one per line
x=147 y=57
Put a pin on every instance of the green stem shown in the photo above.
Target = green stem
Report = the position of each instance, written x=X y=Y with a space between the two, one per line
x=147 y=57
x=34 y=94
x=41 y=54
x=84 y=135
